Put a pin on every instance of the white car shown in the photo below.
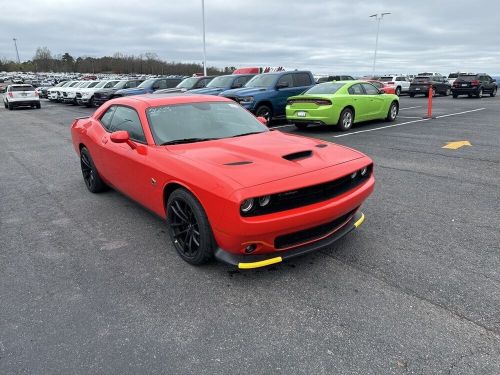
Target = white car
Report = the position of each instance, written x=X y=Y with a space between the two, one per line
x=85 y=96
x=20 y=96
x=55 y=93
x=400 y=83
x=69 y=92
x=453 y=76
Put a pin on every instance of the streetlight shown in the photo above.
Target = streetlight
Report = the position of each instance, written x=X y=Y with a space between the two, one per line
x=204 y=48
x=378 y=18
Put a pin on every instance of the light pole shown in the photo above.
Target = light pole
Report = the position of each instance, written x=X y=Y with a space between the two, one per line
x=17 y=52
x=378 y=17
x=204 y=48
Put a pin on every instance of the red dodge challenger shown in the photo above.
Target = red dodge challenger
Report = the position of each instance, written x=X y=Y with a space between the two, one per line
x=227 y=185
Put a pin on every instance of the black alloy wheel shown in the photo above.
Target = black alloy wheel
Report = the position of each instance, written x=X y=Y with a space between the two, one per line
x=189 y=228
x=264 y=111
x=90 y=175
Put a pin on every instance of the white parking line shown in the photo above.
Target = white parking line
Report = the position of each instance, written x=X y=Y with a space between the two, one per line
x=405 y=123
x=418 y=106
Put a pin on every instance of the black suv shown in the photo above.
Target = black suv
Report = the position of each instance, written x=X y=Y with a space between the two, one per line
x=474 y=84
x=420 y=85
x=103 y=95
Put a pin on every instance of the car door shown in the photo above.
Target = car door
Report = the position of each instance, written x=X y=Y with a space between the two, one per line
x=125 y=166
x=487 y=83
x=359 y=101
x=375 y=101
x=284 y=89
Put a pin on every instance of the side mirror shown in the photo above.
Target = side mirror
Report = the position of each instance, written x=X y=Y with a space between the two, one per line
x=380 y=91
x=263 y=120
x=282 y=85
x=493 y=80
x=122 y=136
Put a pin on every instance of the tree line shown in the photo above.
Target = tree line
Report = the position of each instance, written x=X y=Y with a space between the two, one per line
x=148 y=63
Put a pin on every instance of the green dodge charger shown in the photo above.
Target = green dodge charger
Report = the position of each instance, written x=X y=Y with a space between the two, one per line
x=341 y=103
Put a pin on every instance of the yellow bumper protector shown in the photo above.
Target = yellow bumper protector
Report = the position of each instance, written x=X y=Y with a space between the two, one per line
x=360 y=221
x=262 y=263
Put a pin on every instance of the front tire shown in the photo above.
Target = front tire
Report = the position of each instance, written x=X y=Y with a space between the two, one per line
x=447 y=92
x=189 y=228
x=398 y=91
x=412 y=95
x=455 y=96
x=11 y=106
x=91 y=177
x=38 y=106
x=479 y=94
x=264 y=111
x=90 y=103
x=346 y=119
x=494 y=92
x=393 y=112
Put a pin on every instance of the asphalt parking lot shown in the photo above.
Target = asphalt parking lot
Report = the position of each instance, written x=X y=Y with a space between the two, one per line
x=90 y=283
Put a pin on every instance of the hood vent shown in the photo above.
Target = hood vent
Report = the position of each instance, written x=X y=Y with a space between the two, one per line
x=239 y=162
x=298 y=155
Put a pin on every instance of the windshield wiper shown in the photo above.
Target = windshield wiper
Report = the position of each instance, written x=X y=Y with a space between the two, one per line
x=186 y=140
x=240 y=135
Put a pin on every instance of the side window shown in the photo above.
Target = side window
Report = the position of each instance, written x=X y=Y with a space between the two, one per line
x=172 y=83
x=301 y=79
x=106 y=118
x=126 y=118
x=201 y=83
x=370 y=89
x=286 y=80
x=356 y=89
x=400 y=79
x=239 y=82
x=162 y=84
x=131 y=84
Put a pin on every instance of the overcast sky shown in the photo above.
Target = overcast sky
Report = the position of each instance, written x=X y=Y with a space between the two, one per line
x=321 y=35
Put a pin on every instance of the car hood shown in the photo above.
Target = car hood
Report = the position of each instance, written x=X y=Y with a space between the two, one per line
x=244 y=91
x=261 y=158
x=208 y=90
x=134 y=91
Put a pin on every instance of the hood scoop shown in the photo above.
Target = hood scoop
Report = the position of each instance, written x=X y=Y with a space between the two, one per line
x=298 y=155
x=243 y=162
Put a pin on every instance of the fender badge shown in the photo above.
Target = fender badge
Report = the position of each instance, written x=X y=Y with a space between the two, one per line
x=153 y=181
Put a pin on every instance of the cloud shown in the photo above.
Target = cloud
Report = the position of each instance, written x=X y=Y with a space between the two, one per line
x=323 y=36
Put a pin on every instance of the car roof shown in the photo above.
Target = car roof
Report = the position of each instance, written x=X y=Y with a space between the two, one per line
x=154 y=100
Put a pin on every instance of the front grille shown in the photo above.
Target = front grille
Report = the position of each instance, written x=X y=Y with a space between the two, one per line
x=310 y=234
x=65 y=94
x=79 y=95
x=97 y=95
x=309 y=195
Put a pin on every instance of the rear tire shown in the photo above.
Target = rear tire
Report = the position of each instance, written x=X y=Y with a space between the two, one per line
x=91 y=177
x=393 y=112
x=398 y=91
x=346 y=119
x=455 y=96
x=189 y=228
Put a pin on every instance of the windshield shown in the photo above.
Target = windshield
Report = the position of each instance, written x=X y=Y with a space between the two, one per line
x=221 y=82
x=146 y=83
x=22 y=88
x=201 y=121
x=325 y=88
x=467 y=77
x=187 y=83
x=385 y=79
x=100 y=84
x=421 y=79
x=92 y=84
x=262 y=80
x=120 y=84
x=61 y=83
x=453 y=75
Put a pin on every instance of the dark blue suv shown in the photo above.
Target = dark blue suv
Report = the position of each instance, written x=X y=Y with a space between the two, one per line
x=149 y=86
x=223 y=83
x=266 y=94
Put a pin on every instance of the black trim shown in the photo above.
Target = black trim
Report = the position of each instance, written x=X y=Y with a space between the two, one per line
x=235 y=259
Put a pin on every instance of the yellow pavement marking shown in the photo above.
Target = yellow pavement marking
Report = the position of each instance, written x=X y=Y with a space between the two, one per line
x=456 y=144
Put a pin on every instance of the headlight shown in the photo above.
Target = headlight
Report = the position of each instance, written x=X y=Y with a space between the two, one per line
x=246 y=205
x=247 y=99
x=264 y=201
x=363 y=171
x=354 y=175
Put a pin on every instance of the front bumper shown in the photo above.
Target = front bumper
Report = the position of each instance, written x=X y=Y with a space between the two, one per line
x=262 y=260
